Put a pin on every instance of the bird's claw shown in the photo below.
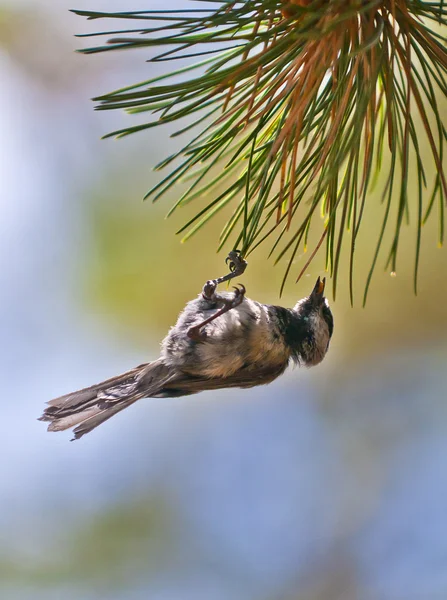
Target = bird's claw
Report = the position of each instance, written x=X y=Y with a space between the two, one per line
x=232 y=256
x=235 y=262
x=239 y=293
x=239 y=289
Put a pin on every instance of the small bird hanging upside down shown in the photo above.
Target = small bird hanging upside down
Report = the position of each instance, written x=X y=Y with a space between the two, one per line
x=220 y=340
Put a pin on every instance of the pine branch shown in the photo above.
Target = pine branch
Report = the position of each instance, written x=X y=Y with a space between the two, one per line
x=298 y=106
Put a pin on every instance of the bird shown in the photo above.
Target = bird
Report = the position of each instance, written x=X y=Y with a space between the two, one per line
x=220 y=340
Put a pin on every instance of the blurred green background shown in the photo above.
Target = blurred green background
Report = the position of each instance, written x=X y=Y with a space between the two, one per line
x=329 y=484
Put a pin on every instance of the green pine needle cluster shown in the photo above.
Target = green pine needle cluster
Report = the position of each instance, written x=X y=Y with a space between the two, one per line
x=290 y=108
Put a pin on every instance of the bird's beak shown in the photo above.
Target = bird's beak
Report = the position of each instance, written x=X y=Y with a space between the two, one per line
x=317 y=294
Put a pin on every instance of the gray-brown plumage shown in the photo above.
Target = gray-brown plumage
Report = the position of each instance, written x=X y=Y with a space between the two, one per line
x=219 y=341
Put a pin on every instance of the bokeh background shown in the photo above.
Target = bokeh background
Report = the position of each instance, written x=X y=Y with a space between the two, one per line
x=329 y=484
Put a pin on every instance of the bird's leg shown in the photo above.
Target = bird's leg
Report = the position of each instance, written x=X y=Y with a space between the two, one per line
x=228 y=303
x=237 y=266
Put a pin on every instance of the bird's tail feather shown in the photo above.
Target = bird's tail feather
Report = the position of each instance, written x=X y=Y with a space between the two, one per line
x=89 y=407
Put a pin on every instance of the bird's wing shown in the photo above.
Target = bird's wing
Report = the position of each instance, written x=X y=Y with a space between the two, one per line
x=183 y=385
x=89 y=407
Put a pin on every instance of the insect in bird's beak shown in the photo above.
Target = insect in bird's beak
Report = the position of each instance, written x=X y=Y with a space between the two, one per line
x=317 y=294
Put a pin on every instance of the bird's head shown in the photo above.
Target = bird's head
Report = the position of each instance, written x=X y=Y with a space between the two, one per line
x=315 y=312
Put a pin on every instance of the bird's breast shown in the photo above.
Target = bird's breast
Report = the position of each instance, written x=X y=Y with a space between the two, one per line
x=242 y=338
